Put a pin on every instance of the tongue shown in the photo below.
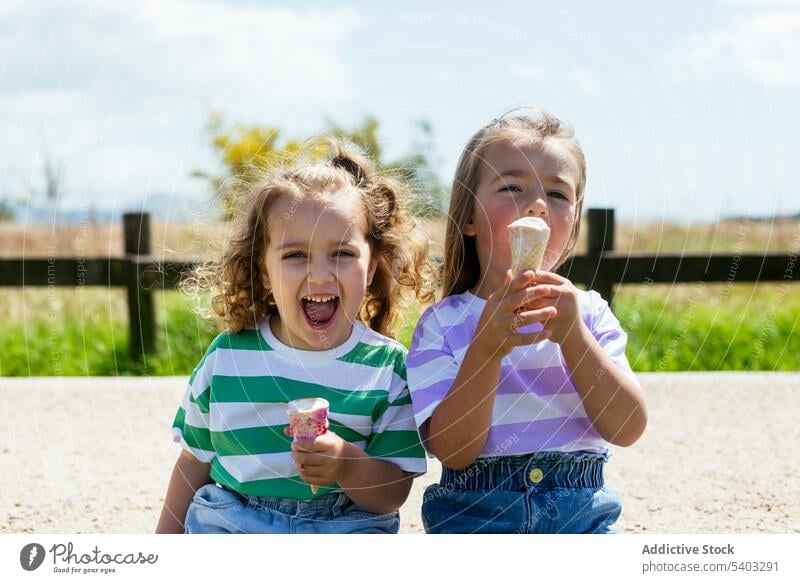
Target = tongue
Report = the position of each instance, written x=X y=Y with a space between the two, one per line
x=319 y=312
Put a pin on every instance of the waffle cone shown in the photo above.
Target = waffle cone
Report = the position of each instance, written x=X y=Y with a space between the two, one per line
x=528 y=239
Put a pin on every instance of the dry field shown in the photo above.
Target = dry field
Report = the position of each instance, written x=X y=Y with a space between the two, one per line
x=204 y=237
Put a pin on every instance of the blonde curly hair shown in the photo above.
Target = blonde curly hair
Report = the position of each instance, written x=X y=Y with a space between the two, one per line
x=239 y=285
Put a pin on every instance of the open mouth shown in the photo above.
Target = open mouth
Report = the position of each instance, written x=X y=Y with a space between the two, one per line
x=320 y=310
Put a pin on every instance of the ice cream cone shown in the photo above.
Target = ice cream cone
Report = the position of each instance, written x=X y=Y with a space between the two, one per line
x=527 y=238
x=308 y=418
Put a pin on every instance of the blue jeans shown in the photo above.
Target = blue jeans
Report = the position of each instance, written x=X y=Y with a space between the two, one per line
x=217 y=510
x=548 y=492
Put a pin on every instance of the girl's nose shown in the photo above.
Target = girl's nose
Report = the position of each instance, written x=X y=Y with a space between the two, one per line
x=536 y=207
x=319 y=272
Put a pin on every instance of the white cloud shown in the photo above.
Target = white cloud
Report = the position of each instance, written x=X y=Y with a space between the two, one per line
x=760 y=43
x=99 y=80
x=206 y=48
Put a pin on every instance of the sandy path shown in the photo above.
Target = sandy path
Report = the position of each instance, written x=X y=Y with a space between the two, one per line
x=94 y=455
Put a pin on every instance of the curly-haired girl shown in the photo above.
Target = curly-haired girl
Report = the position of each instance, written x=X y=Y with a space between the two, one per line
x=309 y=288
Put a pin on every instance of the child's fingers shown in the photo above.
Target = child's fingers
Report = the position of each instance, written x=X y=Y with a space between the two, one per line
x=305 y=477
x=537 y=303
x=301 y=458
x=516 y=283
x=315 y=445
x=310 y=458
x=543 y=291
x=307 y=472
x=540 y=296
x=303 y=446
x=312 y=469
x=550 y=277
x=319 y=444
x=525 y=296
x=313 y=474
x=306 y=455
x=534 y=316
x=287 y=431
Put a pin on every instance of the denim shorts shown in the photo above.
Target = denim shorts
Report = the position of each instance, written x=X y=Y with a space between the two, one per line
x=218 y=510
x=545 y=493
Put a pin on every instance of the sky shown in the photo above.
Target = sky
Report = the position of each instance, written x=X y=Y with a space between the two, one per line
x=685 y=112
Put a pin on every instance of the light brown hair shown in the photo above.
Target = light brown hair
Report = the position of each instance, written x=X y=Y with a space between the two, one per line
x=239 y=296
x=461 y=267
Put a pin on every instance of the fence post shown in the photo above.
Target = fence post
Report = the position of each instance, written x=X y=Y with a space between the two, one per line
x=600 y=238
x=141 y=307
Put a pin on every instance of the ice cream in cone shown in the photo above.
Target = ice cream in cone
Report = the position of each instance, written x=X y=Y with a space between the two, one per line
x=308 y=418
x=527 y=238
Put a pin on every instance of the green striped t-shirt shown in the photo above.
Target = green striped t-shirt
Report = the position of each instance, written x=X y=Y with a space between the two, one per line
x=233 y=412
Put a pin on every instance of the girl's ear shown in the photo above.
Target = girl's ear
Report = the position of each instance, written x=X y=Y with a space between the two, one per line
x=469 y=229
x=373 y=266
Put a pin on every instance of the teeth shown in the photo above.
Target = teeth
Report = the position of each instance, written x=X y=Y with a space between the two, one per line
x=319 y=299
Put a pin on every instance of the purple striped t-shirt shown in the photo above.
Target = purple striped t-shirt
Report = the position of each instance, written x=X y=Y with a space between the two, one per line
x=536 y=407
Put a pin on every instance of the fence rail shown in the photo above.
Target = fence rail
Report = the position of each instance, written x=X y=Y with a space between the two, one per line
x=600 y=269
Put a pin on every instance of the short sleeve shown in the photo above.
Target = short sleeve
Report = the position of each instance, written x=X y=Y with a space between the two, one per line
x=191 y=426
x=394 y=435
x=432 y=368
x=608 y=332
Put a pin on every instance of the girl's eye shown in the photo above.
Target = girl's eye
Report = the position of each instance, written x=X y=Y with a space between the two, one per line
x=510 y=188
x=294 y=255
x=344 y=253
x=557 y=194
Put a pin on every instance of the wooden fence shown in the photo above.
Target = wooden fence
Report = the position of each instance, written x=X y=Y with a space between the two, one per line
x=600 y=269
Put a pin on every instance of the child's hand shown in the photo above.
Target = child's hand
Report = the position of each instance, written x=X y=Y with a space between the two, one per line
x=502 y=316
x=552 y=290
x=322 y=461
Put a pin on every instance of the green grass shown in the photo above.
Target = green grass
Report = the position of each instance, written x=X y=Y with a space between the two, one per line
x=711 y=327
x=670 y=328
x=92 y=339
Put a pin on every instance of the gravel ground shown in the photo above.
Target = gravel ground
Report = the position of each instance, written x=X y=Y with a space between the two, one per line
x=93 y=455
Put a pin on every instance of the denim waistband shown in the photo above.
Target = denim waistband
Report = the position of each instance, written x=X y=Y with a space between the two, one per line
x=544 y=470
x=331 y=503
